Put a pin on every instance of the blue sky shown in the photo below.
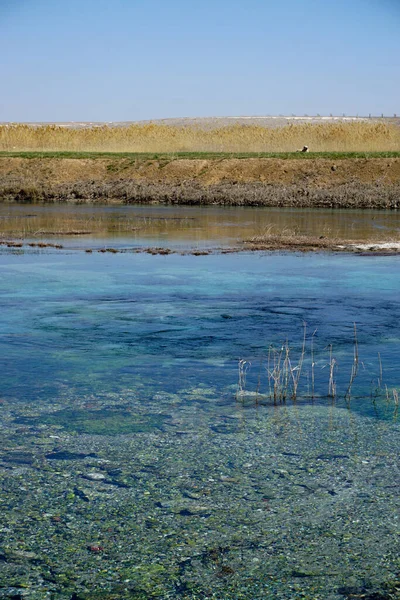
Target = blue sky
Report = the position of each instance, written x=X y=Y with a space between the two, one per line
x=97 y=60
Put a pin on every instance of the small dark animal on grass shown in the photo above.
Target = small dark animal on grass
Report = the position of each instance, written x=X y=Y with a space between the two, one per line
x=303 y=149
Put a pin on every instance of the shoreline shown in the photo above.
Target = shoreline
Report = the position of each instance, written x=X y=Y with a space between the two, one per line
x=372 y=183
x=271 y=243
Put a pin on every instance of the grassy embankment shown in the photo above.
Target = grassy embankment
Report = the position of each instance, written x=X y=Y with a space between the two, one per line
x=196 y=155
x=352 y=164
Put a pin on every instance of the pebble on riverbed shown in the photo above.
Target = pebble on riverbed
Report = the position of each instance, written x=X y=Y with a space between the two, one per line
x=94 y=476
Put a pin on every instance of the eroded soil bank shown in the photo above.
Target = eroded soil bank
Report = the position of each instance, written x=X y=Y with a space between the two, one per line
x=344 y=183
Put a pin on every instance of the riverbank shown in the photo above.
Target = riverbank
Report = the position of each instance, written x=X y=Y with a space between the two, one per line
x=287 y=180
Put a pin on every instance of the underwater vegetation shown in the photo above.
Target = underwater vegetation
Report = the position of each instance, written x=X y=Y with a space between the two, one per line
x=104 y=422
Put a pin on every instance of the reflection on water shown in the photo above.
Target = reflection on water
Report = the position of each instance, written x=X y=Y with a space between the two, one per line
x=129 y=467
x=185 y=225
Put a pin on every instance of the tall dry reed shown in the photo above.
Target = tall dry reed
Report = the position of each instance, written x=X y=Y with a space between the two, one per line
x=285 y=373
x=362 y=136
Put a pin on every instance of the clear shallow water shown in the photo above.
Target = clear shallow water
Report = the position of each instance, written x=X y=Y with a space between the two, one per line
x=124 y=439
x=99 y=322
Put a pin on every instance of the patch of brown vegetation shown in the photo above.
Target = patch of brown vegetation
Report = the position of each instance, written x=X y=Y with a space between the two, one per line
x=304 y=243
x=17 y=244
x=162 y=251
x=350 y=195
x=300 y=243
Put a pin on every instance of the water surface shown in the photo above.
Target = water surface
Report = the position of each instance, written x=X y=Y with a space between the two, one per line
x=131 y=468
x=185 y=226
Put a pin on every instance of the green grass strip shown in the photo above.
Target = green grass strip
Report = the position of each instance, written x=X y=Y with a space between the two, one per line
x=199 y=155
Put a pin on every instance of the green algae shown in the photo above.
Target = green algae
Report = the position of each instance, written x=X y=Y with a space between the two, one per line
x=101 y=422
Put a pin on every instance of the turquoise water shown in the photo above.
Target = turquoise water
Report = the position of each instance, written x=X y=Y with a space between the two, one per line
x=132 y=468
x=99 y=323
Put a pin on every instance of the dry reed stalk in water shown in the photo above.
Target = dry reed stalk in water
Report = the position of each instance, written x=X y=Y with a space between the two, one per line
x=380 y=380
x=286 y=372
x=296 y=372
x=396 y=397
x=276 y=375
x=312 y=366
x=244 y=366
x=387 y=394
x=332 y=383
x=354 y=368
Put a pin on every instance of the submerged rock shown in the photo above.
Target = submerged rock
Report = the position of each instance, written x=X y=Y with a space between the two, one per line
x=94 y=476
x=65 y=455
x=195 y=510
x=332 y=456
x=19 y=458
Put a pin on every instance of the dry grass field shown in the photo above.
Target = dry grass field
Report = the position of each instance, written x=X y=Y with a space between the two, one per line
x=352 y=136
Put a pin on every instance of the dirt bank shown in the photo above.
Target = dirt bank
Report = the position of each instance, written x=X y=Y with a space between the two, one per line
x=364 y=183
